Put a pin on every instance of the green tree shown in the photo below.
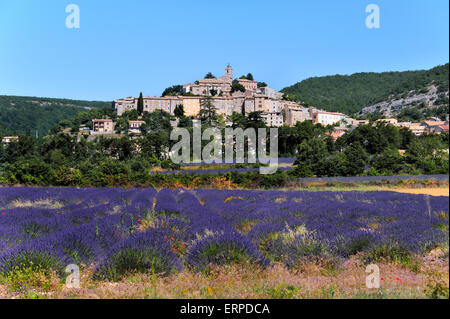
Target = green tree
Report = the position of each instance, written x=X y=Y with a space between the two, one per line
x=238 y=120
x=140 y=104
x=261 y=84
x=173 y=90
x=237 y=87
x=389 y=162
x=179 y=111
x=208 y=113
x=357 y=159
x=255 y=120
x=310 y=153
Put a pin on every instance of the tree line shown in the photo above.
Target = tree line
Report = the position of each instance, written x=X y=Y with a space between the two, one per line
x=64 y=158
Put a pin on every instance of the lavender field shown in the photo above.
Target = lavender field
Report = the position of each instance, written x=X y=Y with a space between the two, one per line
x=118 y=231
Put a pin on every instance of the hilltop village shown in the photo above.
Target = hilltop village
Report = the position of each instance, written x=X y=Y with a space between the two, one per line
x=242 y=95
x=245 y=95
x=229 y=95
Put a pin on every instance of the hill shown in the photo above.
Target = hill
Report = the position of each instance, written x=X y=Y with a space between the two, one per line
x=350 y=94
x=19 y=114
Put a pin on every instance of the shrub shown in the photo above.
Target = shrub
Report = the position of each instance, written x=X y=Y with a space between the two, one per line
x=392 y=252
x=307 y=246
x=30 y=257
x=146 y=252
x=26 y=281
x=223 y=249
x=352 y=244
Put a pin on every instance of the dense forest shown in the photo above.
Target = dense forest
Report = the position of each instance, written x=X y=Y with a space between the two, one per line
x=30 y=114
x=350 y=93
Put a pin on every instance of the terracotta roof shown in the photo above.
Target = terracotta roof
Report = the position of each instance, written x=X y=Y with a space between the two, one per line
x=444 y=127
x=246 y=80
x=331 y=113
x=102 y=120
x=434 y=123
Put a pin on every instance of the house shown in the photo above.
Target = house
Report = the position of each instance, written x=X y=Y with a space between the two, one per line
x=417 y=128
x=296 y=114
x=361 y=122
x=267 y=91
x=273 y=119
x=335 y=134
x=205 y=86
x=9 y=139
x=249 y=85
x=431 y=124
x=441 y=128
x=434 y=126
x=135 y=127
x=126 y=104
x=388 y=121
x=103 y=126
x=326 y=118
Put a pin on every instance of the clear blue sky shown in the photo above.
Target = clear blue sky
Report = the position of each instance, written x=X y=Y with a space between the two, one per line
x=127 y=46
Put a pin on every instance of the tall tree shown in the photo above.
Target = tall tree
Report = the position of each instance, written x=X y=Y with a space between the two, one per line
x=208 y=113
x=140 y=104
x=179 y=111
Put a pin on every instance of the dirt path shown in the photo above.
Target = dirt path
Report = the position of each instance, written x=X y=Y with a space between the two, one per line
x=441 y=191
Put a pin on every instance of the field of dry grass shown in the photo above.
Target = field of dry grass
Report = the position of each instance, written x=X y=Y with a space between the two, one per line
x=342 y=280
x=435 y=191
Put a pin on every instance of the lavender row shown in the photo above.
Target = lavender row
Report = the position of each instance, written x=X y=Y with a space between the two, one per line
x=281 y=160
x=168 y=230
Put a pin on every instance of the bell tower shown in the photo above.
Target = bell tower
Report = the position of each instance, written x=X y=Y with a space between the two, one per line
x=229 y=73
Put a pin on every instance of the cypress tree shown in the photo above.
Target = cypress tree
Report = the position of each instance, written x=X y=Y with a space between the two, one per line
x=140 y=105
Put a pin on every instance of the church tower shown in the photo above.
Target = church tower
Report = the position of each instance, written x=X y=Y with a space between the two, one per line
x=229 y=73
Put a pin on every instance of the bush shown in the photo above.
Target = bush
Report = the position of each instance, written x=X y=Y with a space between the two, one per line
x=29 y=258
x=391 y=252
x=146 y=252
x=305 y=247
x=223 y=249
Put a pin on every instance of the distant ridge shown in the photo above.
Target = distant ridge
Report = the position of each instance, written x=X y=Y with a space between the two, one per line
x=21 y=114
x=351 y=93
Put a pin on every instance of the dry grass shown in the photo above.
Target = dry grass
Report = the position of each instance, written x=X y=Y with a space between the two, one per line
x=310 y=281
x=441 y=191
x=43 y=203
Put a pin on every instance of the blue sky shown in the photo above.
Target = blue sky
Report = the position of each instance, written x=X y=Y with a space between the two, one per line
x=124 y=47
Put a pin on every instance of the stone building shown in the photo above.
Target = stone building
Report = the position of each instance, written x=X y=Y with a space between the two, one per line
x=249 y=85
x=326 y=118
x=221 y=85
x=273 y=119
x=296 y=113
x=103 y=125
x=135 y=127
x=126 y=104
